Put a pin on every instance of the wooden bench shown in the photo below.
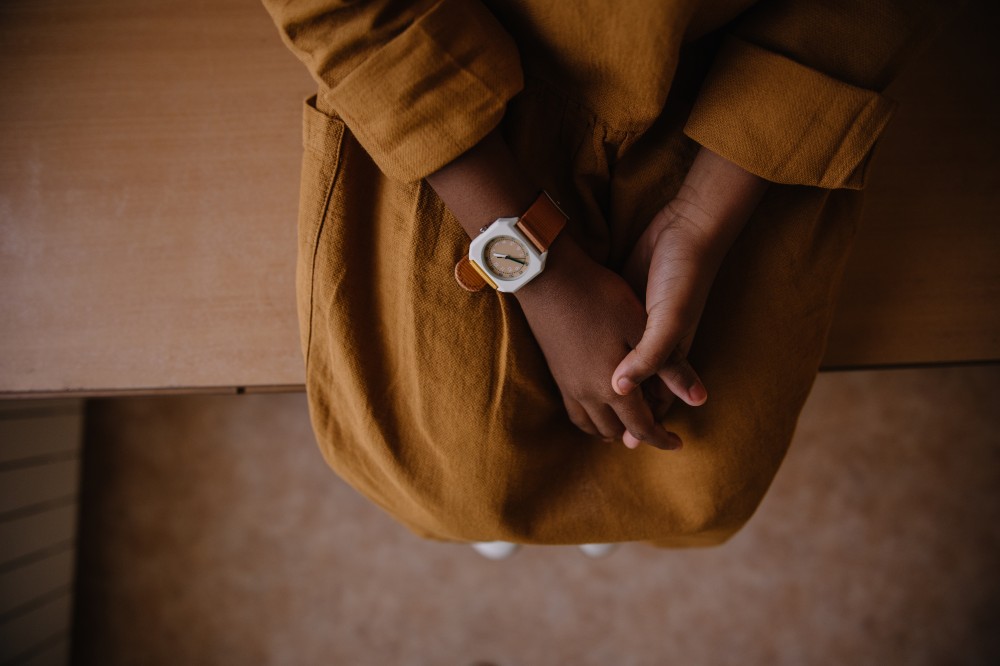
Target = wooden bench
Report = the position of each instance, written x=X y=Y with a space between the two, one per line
x=149 y=185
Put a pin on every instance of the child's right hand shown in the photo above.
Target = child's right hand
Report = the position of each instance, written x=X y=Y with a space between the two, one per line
x=586 y=318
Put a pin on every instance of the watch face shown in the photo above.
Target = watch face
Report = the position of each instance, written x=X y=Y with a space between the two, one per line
x=506 y=257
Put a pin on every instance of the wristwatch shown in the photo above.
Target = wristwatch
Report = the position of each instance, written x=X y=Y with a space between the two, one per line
x=511 y=251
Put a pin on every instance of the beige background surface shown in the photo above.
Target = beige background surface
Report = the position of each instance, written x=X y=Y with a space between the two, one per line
x=213 y=533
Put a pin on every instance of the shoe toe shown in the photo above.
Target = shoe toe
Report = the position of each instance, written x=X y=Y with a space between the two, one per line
x=495 y=550
x=597 y=550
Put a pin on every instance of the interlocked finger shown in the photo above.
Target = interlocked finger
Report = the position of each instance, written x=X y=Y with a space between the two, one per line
x=580 y=418
x=658 y=396
x=638 y=419
x=606 y=420
x=683 y=381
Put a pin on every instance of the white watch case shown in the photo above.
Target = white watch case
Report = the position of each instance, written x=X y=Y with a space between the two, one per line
x=506 y=227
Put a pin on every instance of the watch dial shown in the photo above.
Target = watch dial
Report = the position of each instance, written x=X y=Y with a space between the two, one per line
x=506 y=257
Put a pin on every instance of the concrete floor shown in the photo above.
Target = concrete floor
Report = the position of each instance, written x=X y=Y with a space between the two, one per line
x=212 y=533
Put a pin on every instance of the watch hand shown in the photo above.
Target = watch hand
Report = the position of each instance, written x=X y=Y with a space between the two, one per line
x=507 y=256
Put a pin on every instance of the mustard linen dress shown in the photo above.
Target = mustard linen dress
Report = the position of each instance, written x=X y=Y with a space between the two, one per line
x=436 y=403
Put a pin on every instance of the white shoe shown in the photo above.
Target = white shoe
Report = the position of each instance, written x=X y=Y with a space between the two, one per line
x=495 y=550
x=597 y=550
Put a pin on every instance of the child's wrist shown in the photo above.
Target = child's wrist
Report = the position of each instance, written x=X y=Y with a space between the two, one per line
x=565 y=263
x=483 y=184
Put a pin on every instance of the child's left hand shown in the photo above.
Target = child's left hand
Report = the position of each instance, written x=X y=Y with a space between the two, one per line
x=670 y=268
x=673 y=265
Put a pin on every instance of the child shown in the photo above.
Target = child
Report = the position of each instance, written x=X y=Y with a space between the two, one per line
x=707 y=157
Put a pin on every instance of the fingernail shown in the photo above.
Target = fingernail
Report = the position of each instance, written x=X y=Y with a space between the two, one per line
x=625 y=385
x=673 y=442
x=698 y=394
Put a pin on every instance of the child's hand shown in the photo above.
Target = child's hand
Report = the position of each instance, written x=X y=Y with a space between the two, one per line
x=585 y=319
x=673 y=266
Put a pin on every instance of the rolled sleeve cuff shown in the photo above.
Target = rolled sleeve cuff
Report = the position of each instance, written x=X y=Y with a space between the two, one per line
x=432 y=92
x=786 y=122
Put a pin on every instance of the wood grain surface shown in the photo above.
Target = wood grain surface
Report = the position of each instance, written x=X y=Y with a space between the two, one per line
x=923 y=284
x=149 y=162
x=149 y=167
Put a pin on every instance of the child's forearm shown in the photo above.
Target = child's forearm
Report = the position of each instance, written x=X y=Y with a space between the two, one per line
x=483 y=184
x=486 y=183
x=719 y=197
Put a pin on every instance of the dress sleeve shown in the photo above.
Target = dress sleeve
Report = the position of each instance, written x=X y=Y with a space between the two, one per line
x=794 y=95
x=417 y=82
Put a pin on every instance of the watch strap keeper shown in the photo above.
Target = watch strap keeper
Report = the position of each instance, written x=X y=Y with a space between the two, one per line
x=469 y=276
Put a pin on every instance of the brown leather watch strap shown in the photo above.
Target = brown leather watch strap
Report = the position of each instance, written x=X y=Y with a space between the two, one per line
x=542 y=222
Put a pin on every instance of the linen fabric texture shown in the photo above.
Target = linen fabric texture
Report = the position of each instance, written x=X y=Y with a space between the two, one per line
x=437 y=403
